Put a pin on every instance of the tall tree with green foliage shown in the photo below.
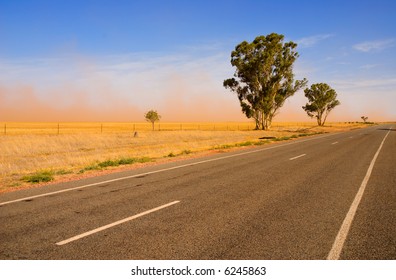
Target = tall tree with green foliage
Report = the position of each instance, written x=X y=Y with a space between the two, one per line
x=264 y=78
x=322 y=99
x=152 y=116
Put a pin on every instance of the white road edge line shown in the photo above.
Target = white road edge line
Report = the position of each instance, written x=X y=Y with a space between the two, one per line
x=114 y=224
x=165 y=169
x=338 y=244
x=293 y=158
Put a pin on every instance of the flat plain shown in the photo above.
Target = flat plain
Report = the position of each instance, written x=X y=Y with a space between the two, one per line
x=37 y=153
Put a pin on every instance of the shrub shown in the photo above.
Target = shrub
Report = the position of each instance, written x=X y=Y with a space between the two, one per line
x=143 y=159
x=225 y=146
x=117 y=162
x=124 y=161
x=244 y=144
x=107 y=163
x=63 y=172
x=38 y=177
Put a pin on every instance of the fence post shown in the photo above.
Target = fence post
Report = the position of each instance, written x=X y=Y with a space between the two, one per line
x=5 y=129
x=58 y=128
x=101 y=128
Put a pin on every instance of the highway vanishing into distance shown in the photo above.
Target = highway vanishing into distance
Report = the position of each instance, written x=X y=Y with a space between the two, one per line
x=331 y=196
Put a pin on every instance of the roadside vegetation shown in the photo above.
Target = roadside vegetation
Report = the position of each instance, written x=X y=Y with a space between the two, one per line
x=29 y=159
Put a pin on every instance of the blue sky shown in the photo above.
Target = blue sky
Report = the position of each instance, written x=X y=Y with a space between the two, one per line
x=113 y=60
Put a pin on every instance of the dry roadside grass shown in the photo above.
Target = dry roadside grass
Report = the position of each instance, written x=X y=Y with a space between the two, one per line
x=77 y=152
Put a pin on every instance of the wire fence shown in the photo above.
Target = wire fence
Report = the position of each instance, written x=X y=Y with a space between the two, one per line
x=51 y=128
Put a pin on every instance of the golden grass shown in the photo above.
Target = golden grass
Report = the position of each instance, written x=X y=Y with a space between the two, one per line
x=52 y=128
x=27 y=148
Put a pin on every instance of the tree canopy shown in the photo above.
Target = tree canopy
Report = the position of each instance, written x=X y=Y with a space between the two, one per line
x=322 y=99
x=264 y=78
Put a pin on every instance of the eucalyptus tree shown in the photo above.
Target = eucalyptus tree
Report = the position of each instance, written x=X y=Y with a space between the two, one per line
x=322 y=99
x=263 y=77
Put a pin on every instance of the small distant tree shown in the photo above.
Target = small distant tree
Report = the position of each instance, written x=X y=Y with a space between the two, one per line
x=364 y=119
x=152 y=116
x=322 y=99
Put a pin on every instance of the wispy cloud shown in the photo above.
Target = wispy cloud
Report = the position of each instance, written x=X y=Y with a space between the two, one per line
x=310 y=41
x=369 y=84
x=378 y=45
x=369 y=66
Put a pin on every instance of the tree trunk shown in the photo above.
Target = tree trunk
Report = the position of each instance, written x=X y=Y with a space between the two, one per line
x=319 y=118
x=256 y=116
x=327 y=113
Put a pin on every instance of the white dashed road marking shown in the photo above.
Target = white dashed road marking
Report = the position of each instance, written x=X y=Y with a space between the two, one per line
x=114 y=224
x=293 y=158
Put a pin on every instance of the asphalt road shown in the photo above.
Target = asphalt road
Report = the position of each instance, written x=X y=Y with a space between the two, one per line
x=283 y=201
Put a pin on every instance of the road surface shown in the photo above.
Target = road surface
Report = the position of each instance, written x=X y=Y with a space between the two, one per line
x=330 y=196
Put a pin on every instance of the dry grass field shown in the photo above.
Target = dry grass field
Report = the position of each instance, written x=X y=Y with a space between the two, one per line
x=34 y=153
